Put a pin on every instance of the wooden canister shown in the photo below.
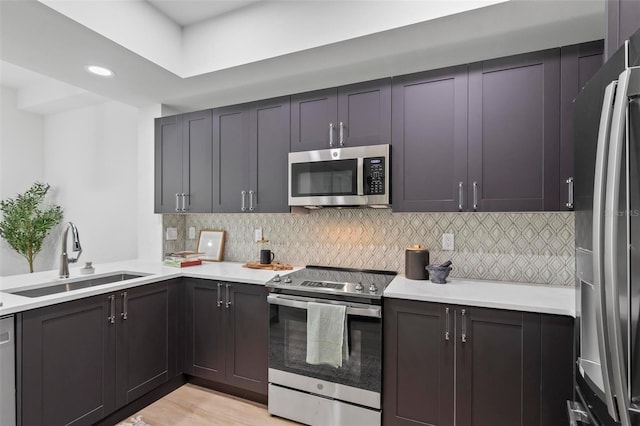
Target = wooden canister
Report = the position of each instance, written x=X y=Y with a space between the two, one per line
x=415 y=260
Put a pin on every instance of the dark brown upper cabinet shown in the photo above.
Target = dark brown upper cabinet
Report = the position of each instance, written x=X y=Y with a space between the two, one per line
x=623 y=19
x=270 y=137
x=226 y=333
x=250 y=146
x=475 y=365
x=578 y=63
x=514 y=133
x=354 y=115
x=430 y=140
x=183 y=163
x=487 y=136
x=231 y=158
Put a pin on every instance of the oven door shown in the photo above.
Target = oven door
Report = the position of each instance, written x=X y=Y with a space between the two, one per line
x=357 y=381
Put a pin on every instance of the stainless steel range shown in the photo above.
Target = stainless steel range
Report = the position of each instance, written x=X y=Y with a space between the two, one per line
x=319 y=393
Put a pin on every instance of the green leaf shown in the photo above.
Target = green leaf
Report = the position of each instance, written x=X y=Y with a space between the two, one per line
x=26 y=222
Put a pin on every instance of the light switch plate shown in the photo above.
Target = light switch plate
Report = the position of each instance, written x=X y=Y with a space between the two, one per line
x=257 y=235
x=192 y=232
x=447 y=242
x=171 y=234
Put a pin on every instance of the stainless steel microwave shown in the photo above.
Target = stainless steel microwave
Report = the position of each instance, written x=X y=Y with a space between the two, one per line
x=348 y=177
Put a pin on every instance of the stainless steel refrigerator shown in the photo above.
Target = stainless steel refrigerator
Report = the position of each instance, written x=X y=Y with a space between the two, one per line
x=607 y=204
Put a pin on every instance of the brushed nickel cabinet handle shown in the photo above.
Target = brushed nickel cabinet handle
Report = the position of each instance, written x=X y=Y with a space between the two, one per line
x=228 y=300
x=184 y=201
x=219 y=303
x=446 y=316
x=475 y=196
x=177 y=202
x=330 y=135
x=341 y=133
x=251 y=192
x=463 y=336
x=570 y=194
x=460 y=195
x=112 y=303
x=243 y=206
x=124 y=306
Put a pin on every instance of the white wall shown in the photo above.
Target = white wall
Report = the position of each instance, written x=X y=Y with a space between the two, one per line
x=21 y=164
x=99 y=161
x=91 y=158
x=149 y=225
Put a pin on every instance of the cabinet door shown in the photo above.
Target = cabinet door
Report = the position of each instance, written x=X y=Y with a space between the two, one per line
x=364 y=113
x=198 y=161
x=419 y=363
x=430 y=140
x=168 y=163
x=497 y=367
x=312 y=114
x=231 y=158
x=146 y=339
x=557 y=368
x=204 y=329
x=623 y=20
x=247 y=336
x=578 y=63
x=514 y=133
x=68 y=363
x=270 y=140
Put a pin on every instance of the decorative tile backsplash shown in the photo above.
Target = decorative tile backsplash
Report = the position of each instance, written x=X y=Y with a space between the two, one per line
x=520 y=247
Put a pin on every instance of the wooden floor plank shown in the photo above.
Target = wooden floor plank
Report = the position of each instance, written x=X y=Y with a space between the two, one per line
x=192 y=405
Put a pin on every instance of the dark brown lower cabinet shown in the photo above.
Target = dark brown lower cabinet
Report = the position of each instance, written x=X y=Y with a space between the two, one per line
x=449 y=364
x=81 y=360
x=226 y=333
x=146 y=346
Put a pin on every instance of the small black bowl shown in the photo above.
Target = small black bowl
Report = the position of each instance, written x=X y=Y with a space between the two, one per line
x=438 y=274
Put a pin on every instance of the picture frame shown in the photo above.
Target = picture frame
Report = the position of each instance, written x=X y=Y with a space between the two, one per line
x=211 y=243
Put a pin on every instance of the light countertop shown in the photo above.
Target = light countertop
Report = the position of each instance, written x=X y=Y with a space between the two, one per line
x=539 y=298
x=154 y=272
x=501 y=295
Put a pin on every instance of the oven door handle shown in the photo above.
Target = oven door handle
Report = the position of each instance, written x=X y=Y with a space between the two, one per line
x=354 y=309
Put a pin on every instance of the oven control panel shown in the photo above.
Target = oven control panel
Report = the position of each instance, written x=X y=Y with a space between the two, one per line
x=374 y=175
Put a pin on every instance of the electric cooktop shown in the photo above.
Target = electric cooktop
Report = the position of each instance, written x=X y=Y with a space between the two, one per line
x=362 y=283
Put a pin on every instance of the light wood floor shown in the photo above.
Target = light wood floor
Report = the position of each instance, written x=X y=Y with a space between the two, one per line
x=192 y=405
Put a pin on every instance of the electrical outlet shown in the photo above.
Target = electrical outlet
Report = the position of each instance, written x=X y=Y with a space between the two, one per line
x=171 y=234
x=192 y=232
x=447 y=242
x=257 y=234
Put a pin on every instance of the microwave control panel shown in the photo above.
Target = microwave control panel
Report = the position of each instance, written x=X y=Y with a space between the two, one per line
x=374 y=175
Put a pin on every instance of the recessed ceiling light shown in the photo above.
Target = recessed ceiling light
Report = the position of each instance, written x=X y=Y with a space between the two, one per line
x=98 y=70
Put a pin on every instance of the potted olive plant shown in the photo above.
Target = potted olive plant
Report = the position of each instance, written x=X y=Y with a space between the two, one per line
x=26 y=222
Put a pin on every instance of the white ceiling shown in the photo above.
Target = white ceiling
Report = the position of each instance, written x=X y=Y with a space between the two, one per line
x=272 y=47
x=188 y=12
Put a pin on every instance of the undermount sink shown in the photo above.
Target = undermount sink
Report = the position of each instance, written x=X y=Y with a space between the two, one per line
x=76 y=285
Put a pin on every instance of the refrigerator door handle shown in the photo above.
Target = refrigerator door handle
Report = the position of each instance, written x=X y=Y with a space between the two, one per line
x=614 y=328
x=599 y=188
x=577 y=413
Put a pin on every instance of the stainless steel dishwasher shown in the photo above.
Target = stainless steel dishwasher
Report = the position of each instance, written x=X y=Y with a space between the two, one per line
x=7 y=373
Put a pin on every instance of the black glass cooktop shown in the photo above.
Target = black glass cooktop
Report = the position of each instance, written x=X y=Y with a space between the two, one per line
x=339 y=281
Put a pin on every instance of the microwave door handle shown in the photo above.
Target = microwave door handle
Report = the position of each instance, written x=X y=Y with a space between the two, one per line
x=611 y=282
x=599 y=188
x=372 y=311
x=360 y=173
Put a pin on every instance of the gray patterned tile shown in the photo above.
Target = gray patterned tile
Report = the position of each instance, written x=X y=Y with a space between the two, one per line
x=526 y=247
